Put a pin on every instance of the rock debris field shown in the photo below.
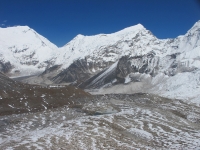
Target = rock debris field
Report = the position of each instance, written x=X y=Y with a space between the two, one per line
x=114 y=121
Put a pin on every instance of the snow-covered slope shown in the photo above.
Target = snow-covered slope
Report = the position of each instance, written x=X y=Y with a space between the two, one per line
x=99 y=46
x=25 y=50
x=172 y=70
x=86 y=60
x=132 y=41
x=100 y=51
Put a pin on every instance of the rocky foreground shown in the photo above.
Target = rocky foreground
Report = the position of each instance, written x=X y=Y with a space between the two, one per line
x=106 y=122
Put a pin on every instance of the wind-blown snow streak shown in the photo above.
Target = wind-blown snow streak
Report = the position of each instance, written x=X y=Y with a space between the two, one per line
x=104 y=74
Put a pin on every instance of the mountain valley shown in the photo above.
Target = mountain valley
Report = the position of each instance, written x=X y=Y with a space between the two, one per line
x=124 y=90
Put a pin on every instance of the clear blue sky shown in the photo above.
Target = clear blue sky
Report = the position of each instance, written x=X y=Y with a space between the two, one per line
x=61 y=20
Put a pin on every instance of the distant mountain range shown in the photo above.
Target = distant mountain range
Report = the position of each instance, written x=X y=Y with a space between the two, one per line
x=128 y=61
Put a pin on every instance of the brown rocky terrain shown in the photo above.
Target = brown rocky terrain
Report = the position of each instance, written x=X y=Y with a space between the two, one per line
x=138 y=121
x=16 y=97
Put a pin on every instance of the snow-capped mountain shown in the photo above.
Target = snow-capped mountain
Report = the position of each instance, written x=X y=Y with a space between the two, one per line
x=142 y=50
x=23 y=51
x=94 y=53
x=134 y=56
x=167 y=67
x=22 y=48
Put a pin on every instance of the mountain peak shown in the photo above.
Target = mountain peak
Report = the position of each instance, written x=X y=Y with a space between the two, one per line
x=134 y=28
x=15 y=29
x=19 y=27
x=197 y=23
x=195 y=28
x=79 y=36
